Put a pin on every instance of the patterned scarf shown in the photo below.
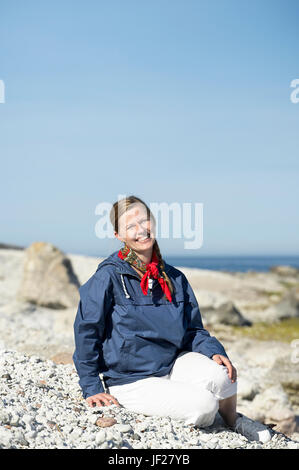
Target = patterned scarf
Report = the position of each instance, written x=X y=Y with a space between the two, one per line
x=151 y=270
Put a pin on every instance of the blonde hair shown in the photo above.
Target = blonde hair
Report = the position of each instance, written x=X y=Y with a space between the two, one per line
x=119 y=208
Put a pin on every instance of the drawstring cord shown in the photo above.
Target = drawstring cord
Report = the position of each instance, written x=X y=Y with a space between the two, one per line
x=150 y=285
x=124 y=287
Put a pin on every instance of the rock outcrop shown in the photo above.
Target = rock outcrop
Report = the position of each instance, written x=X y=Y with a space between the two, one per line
x=48 y=278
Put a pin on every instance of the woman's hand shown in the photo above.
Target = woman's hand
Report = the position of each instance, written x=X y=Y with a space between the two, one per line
x=106 y=398
x=232 y=371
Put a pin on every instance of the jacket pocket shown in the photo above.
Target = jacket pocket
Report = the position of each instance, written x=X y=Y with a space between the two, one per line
x=114 y=353
x=148 y=355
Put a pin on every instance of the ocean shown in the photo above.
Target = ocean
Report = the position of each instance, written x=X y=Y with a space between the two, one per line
x=233 y=263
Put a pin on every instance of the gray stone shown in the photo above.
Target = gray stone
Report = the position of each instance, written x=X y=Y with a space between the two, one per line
x=286 y=373
x=288 y=307
x=124 y=427
x=284 y=270
x=247 y=389
x=4 y=417
x=226 y=313
x=100 y=437
x=48 y=278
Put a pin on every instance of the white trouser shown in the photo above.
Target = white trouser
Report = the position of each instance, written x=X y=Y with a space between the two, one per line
x=190 y=392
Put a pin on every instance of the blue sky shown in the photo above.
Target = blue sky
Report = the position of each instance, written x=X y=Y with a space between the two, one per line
x=173 y=101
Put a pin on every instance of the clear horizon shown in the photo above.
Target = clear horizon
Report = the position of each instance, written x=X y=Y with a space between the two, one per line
x=184 y=255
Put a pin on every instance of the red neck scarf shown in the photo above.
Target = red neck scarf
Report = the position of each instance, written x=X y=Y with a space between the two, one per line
x=150 y=270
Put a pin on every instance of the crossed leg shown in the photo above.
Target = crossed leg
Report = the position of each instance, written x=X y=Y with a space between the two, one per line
x=194 y=390
x=196 y=369
x=160 y=396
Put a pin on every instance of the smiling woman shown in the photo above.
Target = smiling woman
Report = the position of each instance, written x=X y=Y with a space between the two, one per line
x=135 y=225
x=139 y=324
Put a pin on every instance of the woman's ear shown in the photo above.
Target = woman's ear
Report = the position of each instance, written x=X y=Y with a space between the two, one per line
x=118 y=237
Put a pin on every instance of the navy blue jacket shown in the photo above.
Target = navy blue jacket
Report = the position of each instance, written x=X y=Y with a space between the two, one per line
x=126 y=335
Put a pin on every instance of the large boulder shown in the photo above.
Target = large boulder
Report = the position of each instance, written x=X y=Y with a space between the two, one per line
x=217 y=309
x=48 y=278
x=284 y=270
x=272 y=406
x=288 y=307
x=285 y=371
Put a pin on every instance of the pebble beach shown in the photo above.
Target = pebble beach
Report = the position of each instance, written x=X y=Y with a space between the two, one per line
x=41 y=404
x=41 y=407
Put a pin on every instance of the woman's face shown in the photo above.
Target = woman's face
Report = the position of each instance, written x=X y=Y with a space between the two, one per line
x=136 y=228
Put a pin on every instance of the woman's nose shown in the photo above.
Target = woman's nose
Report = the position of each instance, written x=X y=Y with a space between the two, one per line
x=140 y=230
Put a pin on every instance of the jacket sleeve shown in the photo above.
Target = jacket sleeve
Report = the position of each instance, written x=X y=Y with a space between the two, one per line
x=95 y=302
x=197 y=338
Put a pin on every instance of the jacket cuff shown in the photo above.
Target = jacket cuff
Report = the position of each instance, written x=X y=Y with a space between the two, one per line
x=93 y=390
x=215 y=347
x=222 y=354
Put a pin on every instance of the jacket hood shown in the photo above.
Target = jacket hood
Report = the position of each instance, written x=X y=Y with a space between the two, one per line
x=122 y=267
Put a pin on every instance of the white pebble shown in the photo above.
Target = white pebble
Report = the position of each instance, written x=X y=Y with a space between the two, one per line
x=100 y=437
x=123 y=427
x=27 y=419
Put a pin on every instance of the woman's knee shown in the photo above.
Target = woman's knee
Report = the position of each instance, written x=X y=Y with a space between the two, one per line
x=223 y=387
x=203 y=410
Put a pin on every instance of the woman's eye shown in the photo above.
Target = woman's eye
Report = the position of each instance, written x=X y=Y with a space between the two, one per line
x=141 y=222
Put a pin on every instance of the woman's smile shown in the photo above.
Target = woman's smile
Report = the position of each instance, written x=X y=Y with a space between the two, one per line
x=143 y=240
